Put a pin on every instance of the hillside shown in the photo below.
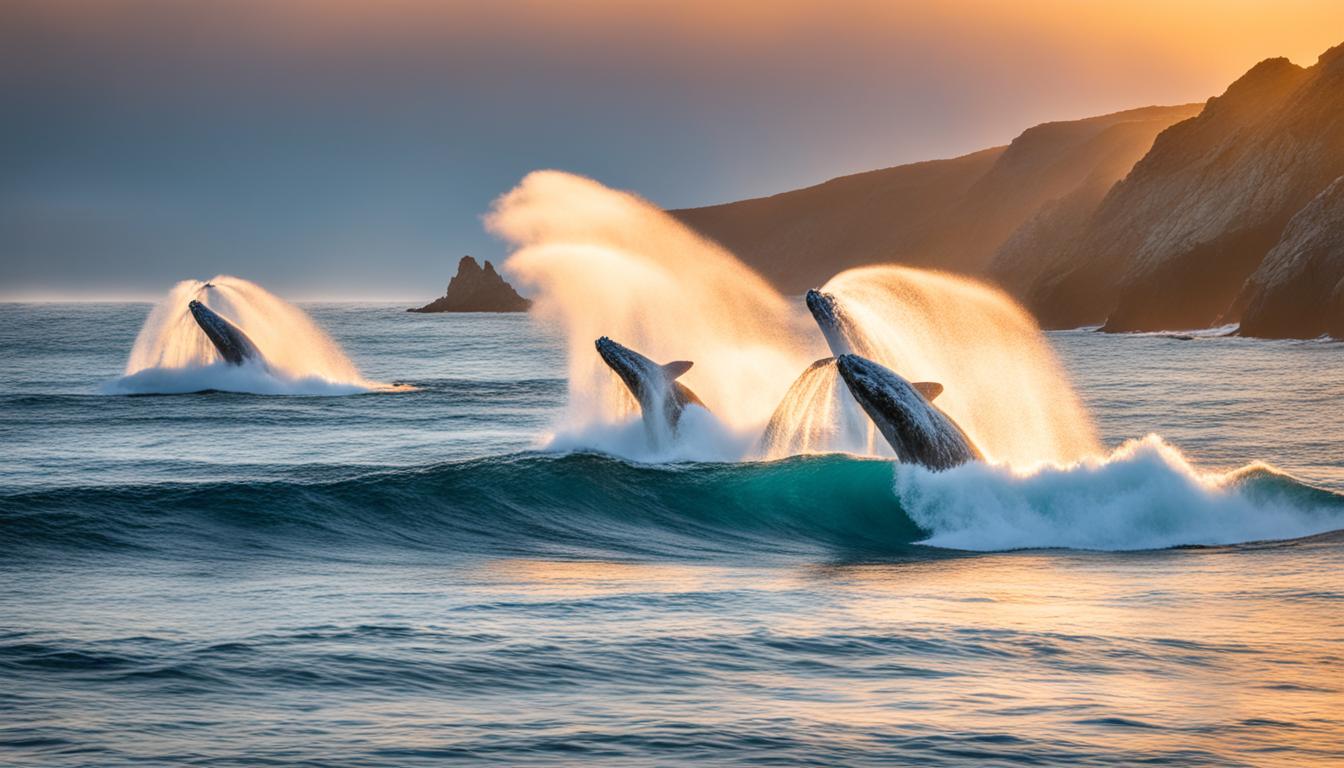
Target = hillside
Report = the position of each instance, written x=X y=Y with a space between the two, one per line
x=949 y=214
x=1172 y=245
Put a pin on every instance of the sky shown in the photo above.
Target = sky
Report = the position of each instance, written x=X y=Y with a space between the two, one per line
x=344 y=150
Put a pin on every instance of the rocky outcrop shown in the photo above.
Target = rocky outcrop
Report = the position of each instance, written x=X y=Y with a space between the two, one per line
x=1298 y=290
x=477 y=289
x=948 y=214
x=1172 y=244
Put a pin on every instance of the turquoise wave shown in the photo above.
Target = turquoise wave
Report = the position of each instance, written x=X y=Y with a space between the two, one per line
x=576 y=505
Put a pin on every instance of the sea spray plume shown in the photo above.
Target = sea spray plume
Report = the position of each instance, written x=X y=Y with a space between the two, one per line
x=815 y=415
x=914 y=427
x=1005 y=387
x=604 y=262
x=290 y=354
x=655 y=387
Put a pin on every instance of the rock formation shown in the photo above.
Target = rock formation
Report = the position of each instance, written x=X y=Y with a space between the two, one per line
x=1298 y=290
x=477 y=289
x=1172 y=244
x=949 y=214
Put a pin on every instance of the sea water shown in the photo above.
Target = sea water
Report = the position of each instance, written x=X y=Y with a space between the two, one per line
x=448 y=572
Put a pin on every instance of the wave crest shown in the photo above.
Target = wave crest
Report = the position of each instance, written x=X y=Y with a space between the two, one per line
x=582 y=505
x=1144 y=495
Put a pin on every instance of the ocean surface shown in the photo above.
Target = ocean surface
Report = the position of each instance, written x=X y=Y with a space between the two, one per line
x=420 y=577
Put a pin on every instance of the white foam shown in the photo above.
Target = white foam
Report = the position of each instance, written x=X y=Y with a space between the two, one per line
x=699 y=437
x=1144 y=495
x=223 y=377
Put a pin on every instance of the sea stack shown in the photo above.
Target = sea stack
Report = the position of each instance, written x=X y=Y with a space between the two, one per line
x=477 y=289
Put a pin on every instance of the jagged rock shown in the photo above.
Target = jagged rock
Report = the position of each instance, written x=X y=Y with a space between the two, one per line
x=1171 y=245
x=477 y=289
x=1298 y=290
x=947 y=214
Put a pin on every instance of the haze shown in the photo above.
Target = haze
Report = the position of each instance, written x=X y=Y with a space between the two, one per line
x=348 y=150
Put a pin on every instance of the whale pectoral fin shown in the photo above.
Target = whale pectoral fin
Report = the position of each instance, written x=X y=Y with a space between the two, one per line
x=677 y=368
x=686 y=397
x=929 y=389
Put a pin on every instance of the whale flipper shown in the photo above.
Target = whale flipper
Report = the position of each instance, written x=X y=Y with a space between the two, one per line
x=677 y=368
x=929 y=389
x=233 y=345
x=917 y=430
x=661 y=398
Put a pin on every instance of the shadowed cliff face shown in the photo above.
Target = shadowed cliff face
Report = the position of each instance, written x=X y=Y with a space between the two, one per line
x=1172 y=244
x=1298 y=290
x=948 y=214
x=477 y=289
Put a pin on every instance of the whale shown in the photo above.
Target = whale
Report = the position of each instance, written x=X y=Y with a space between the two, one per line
x=915 y=428
x=840 y=332
x=783 y=433
x=232 y=344
x=662 y=399
x=843 y=336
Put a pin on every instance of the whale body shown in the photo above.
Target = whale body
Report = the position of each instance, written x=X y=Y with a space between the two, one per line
x=917 y=430
x=661 y=398
x=233 y=345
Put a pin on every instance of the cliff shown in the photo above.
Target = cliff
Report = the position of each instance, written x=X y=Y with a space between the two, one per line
x=1298 y=290
x=799 y=239
x=1172 y=244
x=948 y=214
x=477 y=289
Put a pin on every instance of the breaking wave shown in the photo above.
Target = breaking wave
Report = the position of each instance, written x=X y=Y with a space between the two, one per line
x=584 y=505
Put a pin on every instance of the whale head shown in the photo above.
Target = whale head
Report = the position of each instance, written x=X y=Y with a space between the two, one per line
x=903 y=413
x=637 y=371
x=834 y=324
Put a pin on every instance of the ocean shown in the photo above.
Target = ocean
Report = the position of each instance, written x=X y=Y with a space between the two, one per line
x=431 y=571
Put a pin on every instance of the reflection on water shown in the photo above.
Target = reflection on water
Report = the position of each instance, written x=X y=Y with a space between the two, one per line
x=1181 y=657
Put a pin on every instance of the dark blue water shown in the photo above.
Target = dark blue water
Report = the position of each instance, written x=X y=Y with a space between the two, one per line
x=413 y=578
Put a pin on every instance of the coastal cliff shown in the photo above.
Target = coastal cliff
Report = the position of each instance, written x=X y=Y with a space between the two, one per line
x=1173 y=244
x=477 y=289
x=945 y=214
x=1160 y=218
x=1298 y=290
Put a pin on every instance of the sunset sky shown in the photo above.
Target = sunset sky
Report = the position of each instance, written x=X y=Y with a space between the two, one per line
x=348 y=149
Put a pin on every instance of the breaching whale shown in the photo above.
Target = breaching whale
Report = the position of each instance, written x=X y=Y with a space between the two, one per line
x=915 y=428
x=843 y=338
x=783 y=433
x=660 y=396
x=233 y=345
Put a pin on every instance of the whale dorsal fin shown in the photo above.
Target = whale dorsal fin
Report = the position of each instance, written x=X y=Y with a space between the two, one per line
x=929 y=389
x=677 y=368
